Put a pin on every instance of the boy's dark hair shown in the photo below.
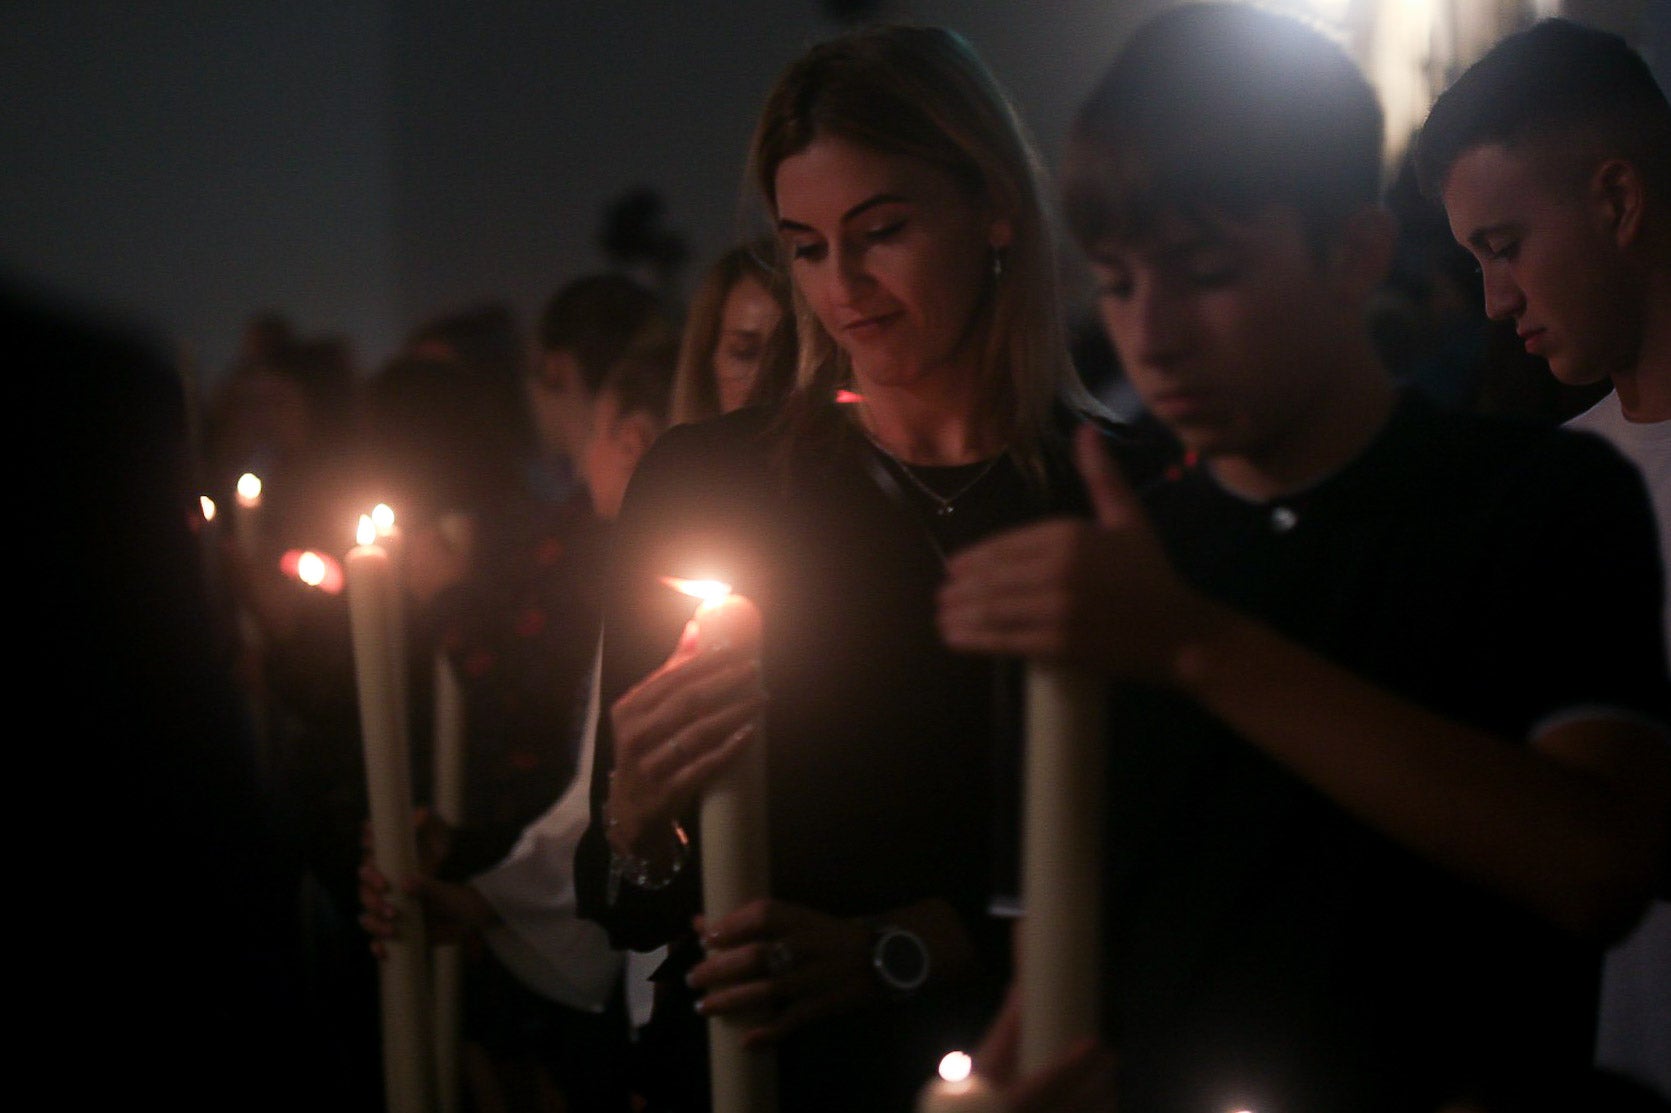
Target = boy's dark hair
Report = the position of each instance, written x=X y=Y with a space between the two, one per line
x=641 y=381
x=1223 y=108
x=1551 y=78
x=598 y=318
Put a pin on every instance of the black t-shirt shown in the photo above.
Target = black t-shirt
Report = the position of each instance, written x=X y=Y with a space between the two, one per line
x=1268 y=951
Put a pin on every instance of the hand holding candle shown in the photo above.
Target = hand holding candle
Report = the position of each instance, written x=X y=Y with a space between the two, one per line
x=404 y=980
x=673 y=732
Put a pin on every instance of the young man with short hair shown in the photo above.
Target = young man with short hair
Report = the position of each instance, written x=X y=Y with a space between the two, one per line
x=1371 y=811
x=1552 y=157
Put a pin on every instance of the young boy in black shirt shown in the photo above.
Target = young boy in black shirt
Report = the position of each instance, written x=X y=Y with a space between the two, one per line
x=1380 y=786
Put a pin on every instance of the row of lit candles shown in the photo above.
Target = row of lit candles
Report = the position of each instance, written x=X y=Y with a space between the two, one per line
x=1064 y=723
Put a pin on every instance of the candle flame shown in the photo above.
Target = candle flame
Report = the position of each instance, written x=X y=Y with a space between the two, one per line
x=367 y=531
x=956 y=1066
x=249 y=489
x=310 y=568
x=315 y=569
x=710 y=591
x=384 y=519
x=208 y=506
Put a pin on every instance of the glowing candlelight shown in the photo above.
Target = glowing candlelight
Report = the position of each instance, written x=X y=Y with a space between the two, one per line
x=207 y=505
x=310 y=569
x=246 y=519
x=315 y=569
x=404 y=976
x=387 y=536
x=1061 y=862
x=958 y=1089
x=735 y=863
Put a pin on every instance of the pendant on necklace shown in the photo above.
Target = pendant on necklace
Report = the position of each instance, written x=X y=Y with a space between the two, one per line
x=944 y=511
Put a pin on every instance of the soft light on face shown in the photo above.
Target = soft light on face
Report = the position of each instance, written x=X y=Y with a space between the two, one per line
x=747 y=318
x=560 y=404
x=610 y=456
x=892 y=255
x=1213 y=323
x=1547 y=259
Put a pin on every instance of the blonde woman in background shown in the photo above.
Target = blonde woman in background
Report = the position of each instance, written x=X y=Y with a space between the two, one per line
x=733 y=351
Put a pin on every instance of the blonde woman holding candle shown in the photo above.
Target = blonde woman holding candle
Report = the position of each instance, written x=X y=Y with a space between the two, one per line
x=932 y=396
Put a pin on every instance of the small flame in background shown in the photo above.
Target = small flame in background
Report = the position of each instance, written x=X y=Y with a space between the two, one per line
x=709 y=591
x=383 y=518
x=956 y=1066
x=249 y=489
x=314 y=569
x=366 y=533
x=207 y=505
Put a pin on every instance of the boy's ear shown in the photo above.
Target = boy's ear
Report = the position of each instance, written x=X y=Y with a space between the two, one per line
x=1362 y=252
x=1617 y=196
x=638 y=431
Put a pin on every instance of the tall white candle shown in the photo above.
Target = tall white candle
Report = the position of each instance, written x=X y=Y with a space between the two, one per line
x=388 y=539
x=404 y=976
x=1061 y=862
x=736 y=868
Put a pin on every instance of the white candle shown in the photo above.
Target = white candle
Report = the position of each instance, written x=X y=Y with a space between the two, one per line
x=1061 y=862
x=404 y=976
x=959 y=1090
x=388 y=539
x=735 y=867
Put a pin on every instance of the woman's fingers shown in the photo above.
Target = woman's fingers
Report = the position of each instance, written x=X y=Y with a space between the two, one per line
x=698 y=739
x=675 y=691
x=781 y=966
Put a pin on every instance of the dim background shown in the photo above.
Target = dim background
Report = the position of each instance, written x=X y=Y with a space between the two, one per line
x=359 y=165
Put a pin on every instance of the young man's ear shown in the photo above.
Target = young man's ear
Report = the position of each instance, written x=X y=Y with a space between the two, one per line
x=638 y=432
x=1617 y=196
x=1362 y=252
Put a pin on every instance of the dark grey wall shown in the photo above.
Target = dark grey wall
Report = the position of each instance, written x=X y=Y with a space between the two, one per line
x=362 y=163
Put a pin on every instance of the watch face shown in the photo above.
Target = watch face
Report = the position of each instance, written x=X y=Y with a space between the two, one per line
x=901 y=960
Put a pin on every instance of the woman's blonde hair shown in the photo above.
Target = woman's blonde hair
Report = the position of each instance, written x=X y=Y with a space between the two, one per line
x=922 y=92
x=695 y=393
